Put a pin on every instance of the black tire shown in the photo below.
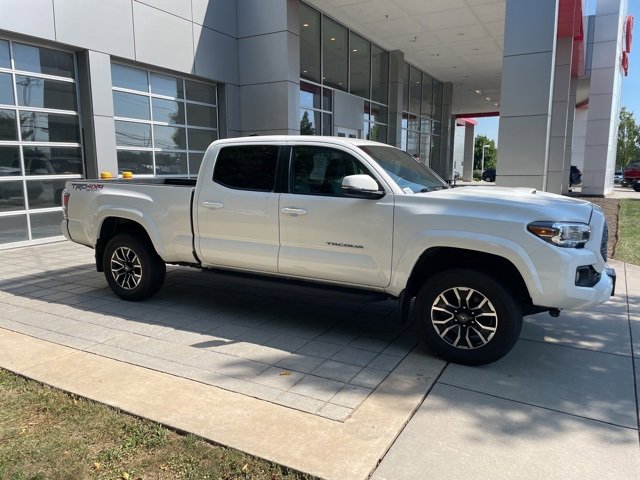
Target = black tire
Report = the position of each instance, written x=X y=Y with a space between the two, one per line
x=480 y=327
x=636 y=187
x=133 y=269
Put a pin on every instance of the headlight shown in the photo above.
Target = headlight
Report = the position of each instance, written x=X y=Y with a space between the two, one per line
x=563 y=234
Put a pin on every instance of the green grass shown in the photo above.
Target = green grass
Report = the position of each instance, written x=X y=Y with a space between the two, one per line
x=628 y=246
x=46 y=433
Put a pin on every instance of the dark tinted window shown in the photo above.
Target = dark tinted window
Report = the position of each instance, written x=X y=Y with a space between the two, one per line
x=247 y=167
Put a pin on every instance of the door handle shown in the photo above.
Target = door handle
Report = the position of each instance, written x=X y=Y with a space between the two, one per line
x=294 y=212
x=213 y=205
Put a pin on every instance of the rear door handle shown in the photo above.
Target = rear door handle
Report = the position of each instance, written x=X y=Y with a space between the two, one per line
x=293 y=211
x=213 y=205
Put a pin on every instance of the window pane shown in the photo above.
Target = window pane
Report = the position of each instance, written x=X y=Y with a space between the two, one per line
x=415 y=90
x=131 y=106
x=360 y=57
x=8 y=129
x=377 y=133
x=427 y=96
x=166 y=85
x=169 y=163
x=309 y=43
x=169 y=137
x=45 y=93
x=310 y=96
x=129 y=134
x=425 y=148
x=49 y=127
x=5 y=59
x=247 y=168
x=195 y=160
x=309 y=122
x=133 y=161
x=435 y=150
x=128 y=77
x=52 y=160
x=9 y=161
x=45 y=225
x=379 y=113
x=202 y=116
x=379 y=74
x=11 y=196
x=13 y=229
x=327 y=99
x=326 y=124
x=169 y=111
x=335 y=57
x=45 y=193
x=201 y=139
x=200 y=92
x=412 y=143
x=437 y=100
x=6 y=89
x=43 y=60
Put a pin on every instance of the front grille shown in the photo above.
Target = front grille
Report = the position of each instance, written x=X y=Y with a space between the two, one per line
x=604 y=242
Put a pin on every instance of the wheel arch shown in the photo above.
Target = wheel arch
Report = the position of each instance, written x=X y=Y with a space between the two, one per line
x=112 y=226
x=438 y=259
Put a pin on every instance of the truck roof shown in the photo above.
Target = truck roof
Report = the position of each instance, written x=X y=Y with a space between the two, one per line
x=300 y=138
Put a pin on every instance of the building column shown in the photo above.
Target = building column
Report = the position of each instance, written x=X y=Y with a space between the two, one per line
x=396 y=93
x=96 y=108
x=604 y=98
x=559 y=116
x=527 y=88
x=469 y=144
x=268 y=95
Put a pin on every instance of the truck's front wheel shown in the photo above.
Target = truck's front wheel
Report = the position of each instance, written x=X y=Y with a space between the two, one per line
x=133 y=270
x=467 y=317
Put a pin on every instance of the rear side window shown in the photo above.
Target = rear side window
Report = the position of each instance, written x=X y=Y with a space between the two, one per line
x=251 y=167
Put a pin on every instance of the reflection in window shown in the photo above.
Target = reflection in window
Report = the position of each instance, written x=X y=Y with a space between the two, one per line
x=201 y=139
x=131 y=134
x=335 y=58
x=43 y=60
x=45 y=193
x=195 y=160
x=172 y=138
x=360 y=65
x=427 y=96
x=46 y=224
x=379 y=75
x=131 y=106
x=45 y=93
x=415 y=90
x=8 y=130
x=309 y=43
x=200 y=92
x=166 y=85
x=168 y=111
x=309 y=120
x=171 y=163
x=12 y=228
x=49 y=127
x=6 y=89
x=135 y=161
x=5 y=60
x=11 y=196
x=129 y=77
x=10 y=161
x=202 y=116
x=52 y=160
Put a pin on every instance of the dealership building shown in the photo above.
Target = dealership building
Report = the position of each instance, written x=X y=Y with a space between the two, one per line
x=145 y=85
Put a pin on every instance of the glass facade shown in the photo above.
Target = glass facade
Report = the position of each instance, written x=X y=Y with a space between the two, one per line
x=163 y=123
x=334 y=58
x=421 y=115
x=40 y=141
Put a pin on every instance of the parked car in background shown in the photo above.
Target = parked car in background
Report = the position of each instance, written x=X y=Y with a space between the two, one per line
x=630 y=174
x=618 y=176
x=575 y=176
x=489 y=175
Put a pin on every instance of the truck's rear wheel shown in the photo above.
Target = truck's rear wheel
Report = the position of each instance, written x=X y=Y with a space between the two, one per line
x=133 y=269
x=467 y=317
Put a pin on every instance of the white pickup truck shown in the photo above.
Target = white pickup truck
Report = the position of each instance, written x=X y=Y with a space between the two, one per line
x=360 y=215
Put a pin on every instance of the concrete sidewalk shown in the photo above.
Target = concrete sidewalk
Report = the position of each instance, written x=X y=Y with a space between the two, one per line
x=325 y=383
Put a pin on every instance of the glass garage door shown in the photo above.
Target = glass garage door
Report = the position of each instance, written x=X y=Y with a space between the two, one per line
x=40 y=144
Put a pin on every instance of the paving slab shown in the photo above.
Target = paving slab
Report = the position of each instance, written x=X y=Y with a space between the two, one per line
x=459 y=434
x=594 y=385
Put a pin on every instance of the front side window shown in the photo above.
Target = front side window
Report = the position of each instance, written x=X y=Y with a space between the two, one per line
x=320 y=170
x=247 y=167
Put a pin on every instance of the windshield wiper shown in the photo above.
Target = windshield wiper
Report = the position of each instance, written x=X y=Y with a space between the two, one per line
x=425 y=189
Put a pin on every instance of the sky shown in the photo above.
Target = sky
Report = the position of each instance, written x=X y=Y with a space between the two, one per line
x=630 y=84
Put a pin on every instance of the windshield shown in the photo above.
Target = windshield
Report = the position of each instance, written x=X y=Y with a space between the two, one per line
x=410 y=175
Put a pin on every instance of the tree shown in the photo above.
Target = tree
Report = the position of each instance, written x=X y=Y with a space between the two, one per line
x=628 y=149
x=490 y=153
x=306 y=127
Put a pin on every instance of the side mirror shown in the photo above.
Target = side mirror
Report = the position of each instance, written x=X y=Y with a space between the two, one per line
x=361 y=186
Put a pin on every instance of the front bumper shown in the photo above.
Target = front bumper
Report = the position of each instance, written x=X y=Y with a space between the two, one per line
x=611 y=273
